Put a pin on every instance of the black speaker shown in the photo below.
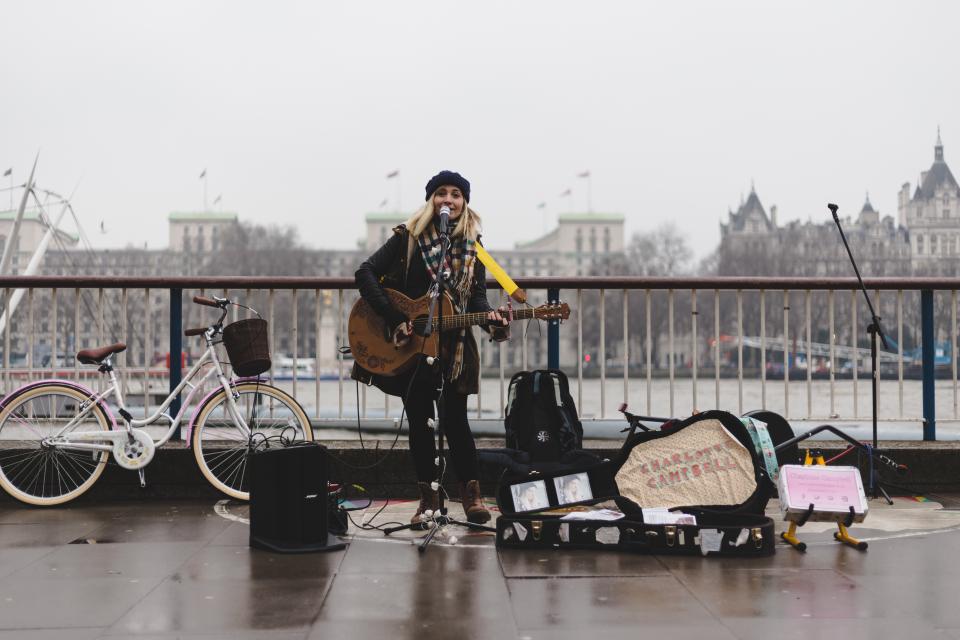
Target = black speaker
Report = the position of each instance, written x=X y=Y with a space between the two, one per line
x=288 y=499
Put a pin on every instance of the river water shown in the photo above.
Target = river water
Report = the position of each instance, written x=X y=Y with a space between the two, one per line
x=841 y=403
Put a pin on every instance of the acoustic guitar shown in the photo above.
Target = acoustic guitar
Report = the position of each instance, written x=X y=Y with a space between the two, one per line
x=373 y=348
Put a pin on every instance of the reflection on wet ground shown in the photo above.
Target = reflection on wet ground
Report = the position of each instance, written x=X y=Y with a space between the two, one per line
x=184 y=570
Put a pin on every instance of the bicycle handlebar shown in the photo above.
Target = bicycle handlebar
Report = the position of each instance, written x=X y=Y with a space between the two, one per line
x=216 y=303
x=635 y=421
x=207 y=302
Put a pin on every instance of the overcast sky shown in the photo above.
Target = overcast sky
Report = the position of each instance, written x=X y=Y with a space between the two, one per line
x=299 y=110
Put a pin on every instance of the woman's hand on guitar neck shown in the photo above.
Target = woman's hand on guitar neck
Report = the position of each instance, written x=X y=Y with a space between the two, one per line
x=401 y=334
x=499 y=325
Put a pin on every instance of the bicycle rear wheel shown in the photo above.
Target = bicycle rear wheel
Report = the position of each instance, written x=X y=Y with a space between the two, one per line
x=219 y=446
x=40 y=474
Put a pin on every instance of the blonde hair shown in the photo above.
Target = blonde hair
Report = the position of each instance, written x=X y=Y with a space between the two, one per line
x=468 y=224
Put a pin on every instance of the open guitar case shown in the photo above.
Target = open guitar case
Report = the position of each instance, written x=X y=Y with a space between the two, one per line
x=705 y=466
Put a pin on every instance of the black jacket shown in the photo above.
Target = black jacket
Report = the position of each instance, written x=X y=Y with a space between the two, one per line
x=388 y=267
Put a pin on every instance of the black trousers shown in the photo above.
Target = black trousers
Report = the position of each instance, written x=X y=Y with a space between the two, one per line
x=456 y=428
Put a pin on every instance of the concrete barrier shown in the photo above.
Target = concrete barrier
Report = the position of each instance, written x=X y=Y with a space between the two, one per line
x=933 y=467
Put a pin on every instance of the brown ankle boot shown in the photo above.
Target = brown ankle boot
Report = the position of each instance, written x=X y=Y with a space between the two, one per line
x=472 y=502
x=429 y=500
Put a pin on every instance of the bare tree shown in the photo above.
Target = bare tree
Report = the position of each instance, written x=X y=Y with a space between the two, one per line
x=661 y=252
x=248 y=249
x=263 y=250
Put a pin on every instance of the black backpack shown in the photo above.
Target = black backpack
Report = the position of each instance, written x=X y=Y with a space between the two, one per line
x=540 y=417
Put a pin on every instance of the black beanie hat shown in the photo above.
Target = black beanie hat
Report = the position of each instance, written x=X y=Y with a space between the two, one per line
x=451 y=178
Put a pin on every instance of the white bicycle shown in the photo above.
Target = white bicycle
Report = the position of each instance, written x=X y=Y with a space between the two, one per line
x=56 y=436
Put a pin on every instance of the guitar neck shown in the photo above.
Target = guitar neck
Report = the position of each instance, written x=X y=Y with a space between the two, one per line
x=470 y=319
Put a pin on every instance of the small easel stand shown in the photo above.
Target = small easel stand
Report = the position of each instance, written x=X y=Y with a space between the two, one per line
x=875 y=459
x=843 y=535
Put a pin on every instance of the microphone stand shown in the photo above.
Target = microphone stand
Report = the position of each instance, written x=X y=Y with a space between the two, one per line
x=875 y=488
x=440 y=519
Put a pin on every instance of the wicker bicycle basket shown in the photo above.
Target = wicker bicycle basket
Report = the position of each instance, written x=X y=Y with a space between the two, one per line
x=247 y=347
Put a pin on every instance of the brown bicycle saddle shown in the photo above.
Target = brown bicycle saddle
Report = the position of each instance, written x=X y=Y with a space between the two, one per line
x=96 y=355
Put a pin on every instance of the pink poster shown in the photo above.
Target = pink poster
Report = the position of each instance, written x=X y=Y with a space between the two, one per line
x=831 y=490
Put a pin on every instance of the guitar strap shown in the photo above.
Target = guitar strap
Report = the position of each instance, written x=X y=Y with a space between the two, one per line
x=763 y=444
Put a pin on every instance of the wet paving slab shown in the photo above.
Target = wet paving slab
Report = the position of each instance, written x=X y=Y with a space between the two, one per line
x=185 y=570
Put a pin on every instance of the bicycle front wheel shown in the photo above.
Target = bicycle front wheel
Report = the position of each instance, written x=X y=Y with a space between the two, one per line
x=221 y=448
x=34 y=469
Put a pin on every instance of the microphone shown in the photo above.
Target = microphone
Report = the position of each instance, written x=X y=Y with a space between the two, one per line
x=444 y=219
x=901 y=469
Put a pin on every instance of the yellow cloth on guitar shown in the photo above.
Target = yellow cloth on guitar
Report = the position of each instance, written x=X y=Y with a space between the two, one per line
x=501 y=276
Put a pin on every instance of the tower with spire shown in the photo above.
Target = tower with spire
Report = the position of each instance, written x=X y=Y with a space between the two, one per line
x=931 y=213
x=868 y=215
x=753 y=242
x=750 y=219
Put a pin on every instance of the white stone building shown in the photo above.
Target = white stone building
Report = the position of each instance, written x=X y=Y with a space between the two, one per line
x=932 y=216
x=379 y=228
x=581 y=244
x=192 y=231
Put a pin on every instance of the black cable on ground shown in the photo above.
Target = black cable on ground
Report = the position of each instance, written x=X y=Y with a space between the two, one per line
x=368 y=526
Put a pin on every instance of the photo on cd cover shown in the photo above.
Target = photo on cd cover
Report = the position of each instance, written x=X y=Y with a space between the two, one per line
x=573 y=488
x=530 y=496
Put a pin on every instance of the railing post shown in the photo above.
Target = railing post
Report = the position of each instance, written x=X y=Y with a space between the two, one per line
x=553 y=333
x=176 y=350
x=927 y=351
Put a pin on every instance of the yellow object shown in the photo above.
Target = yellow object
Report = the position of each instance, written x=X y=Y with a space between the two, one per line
x=501 y=276
x=791 y=537
x=843 y=535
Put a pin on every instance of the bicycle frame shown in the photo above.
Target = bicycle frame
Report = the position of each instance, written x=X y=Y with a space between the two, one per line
x=89 y=440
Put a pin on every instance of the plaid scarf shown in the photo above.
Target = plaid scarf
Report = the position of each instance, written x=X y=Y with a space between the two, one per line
x=459 y=262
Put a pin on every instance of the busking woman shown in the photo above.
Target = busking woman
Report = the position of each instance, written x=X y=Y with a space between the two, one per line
x=407 y=263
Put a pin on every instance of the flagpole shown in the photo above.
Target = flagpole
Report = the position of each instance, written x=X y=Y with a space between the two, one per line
x=568 y=194
x=391 y=176
x=586 y=174
x=203 y=176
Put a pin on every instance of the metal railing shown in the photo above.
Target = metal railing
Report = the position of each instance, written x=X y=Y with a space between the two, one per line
x=672 y=332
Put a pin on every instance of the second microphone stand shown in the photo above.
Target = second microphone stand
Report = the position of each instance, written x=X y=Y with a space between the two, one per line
x=876 y=488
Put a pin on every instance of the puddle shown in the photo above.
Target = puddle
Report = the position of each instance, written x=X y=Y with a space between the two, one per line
x=91 y=541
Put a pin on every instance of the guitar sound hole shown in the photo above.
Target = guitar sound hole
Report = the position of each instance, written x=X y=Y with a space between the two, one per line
x=420 y=325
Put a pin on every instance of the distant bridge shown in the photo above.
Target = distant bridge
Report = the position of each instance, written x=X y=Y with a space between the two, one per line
x=845 y=352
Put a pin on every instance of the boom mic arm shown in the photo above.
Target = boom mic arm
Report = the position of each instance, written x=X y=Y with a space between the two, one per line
x=866 y=296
